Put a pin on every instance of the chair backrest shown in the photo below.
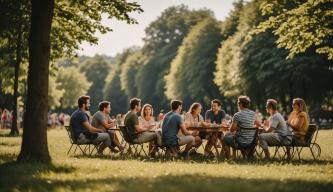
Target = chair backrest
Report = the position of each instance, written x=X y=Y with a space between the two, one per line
x=70 y=134
x=311 y=133
x=128 y=137
x=248 y=145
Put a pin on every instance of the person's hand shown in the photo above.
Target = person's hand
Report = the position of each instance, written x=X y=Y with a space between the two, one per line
x=195 y=133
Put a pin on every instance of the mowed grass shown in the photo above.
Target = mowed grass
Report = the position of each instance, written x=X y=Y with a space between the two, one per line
x=78 y=173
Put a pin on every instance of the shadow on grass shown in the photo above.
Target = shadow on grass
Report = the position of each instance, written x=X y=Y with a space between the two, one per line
x=23 y=174
x=185 y=183
x=204 y=160
x=9 y=144
x=31 y=177
x=6 y=133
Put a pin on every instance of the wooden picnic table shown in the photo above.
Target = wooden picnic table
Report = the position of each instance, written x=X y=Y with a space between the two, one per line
x=214 y=131
x=217 y=128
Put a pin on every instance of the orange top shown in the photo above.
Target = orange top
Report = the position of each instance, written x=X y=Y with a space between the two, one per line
x=299 y=132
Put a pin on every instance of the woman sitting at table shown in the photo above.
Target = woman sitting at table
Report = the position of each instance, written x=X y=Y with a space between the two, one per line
x=147 y=121
x=193 y=118
x=298 y=121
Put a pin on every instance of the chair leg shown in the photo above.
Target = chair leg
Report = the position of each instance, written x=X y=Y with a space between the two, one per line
x=299 y=151
x=75 y=149
x=83 y=151
x=69 y=149
x=276 y=151
x=144 y=151
x=95 y=147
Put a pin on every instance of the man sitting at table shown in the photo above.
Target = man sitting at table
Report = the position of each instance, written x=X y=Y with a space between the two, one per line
x=101 y=120
x=83 y=131
x=277 y=131
x=243 y=127
x=143 y=135
x=171 y=125
x=213 y=116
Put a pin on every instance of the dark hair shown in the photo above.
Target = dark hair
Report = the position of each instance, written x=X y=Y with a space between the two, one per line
x=82 y=100
x=143 y=114
x=103 y=104
x=175 y=104
x=272 y=103
x=193 y=107
x=217 y=101
x=134 y=102
x=244 y=101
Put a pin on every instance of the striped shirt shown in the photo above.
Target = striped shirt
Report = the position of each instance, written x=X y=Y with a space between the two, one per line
x=245 y=125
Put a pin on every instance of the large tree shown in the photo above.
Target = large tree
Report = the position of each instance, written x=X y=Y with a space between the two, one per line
x=34 y=144
x=191 y=72
x=258 y=68
x=73 y=83
x=14 y=26
x=112 y=90
x=74 y=22
x=300 y=25
x=96 y=69
x=163 y=37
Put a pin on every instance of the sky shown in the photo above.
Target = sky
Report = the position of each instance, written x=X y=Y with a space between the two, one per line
x=126 y=35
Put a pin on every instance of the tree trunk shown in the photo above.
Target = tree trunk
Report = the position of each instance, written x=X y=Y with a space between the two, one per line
x=34 y=143
x=14 y=129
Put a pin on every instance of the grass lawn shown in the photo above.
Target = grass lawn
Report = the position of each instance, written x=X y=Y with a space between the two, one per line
x=69 y=173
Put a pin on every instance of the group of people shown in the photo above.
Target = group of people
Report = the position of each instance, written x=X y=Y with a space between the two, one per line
x=6 y=118
x=173 y=131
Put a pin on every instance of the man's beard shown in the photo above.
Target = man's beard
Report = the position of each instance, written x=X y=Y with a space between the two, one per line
x=86 y=108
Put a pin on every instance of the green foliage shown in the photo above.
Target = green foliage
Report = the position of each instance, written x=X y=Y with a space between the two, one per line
x=74 y=85
x=55 y=94
x=14 y=21
x=128 y=72
x=112 y=90
x=191 y=72
x=258 y=68
x=95 y=69
x=300 y=25
x=74 y=22
x=163 y=37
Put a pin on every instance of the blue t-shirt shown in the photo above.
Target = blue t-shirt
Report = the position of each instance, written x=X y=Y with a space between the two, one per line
x=170 y=127
x=76 y=122
x=217 y=118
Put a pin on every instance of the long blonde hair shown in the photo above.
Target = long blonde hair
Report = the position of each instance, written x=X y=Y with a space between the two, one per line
x=301 y=103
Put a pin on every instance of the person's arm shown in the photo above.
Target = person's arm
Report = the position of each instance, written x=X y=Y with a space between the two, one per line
x=184 y=130
x=207 y=118
x=233 y=126
x=138 y=127
x=111 y=122
x=90 y=128
x=104 y=123
x=271 y=124
x=257 y=123
x=298 y=124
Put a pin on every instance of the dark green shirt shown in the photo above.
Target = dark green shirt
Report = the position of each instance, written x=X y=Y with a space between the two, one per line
x=131 y=119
